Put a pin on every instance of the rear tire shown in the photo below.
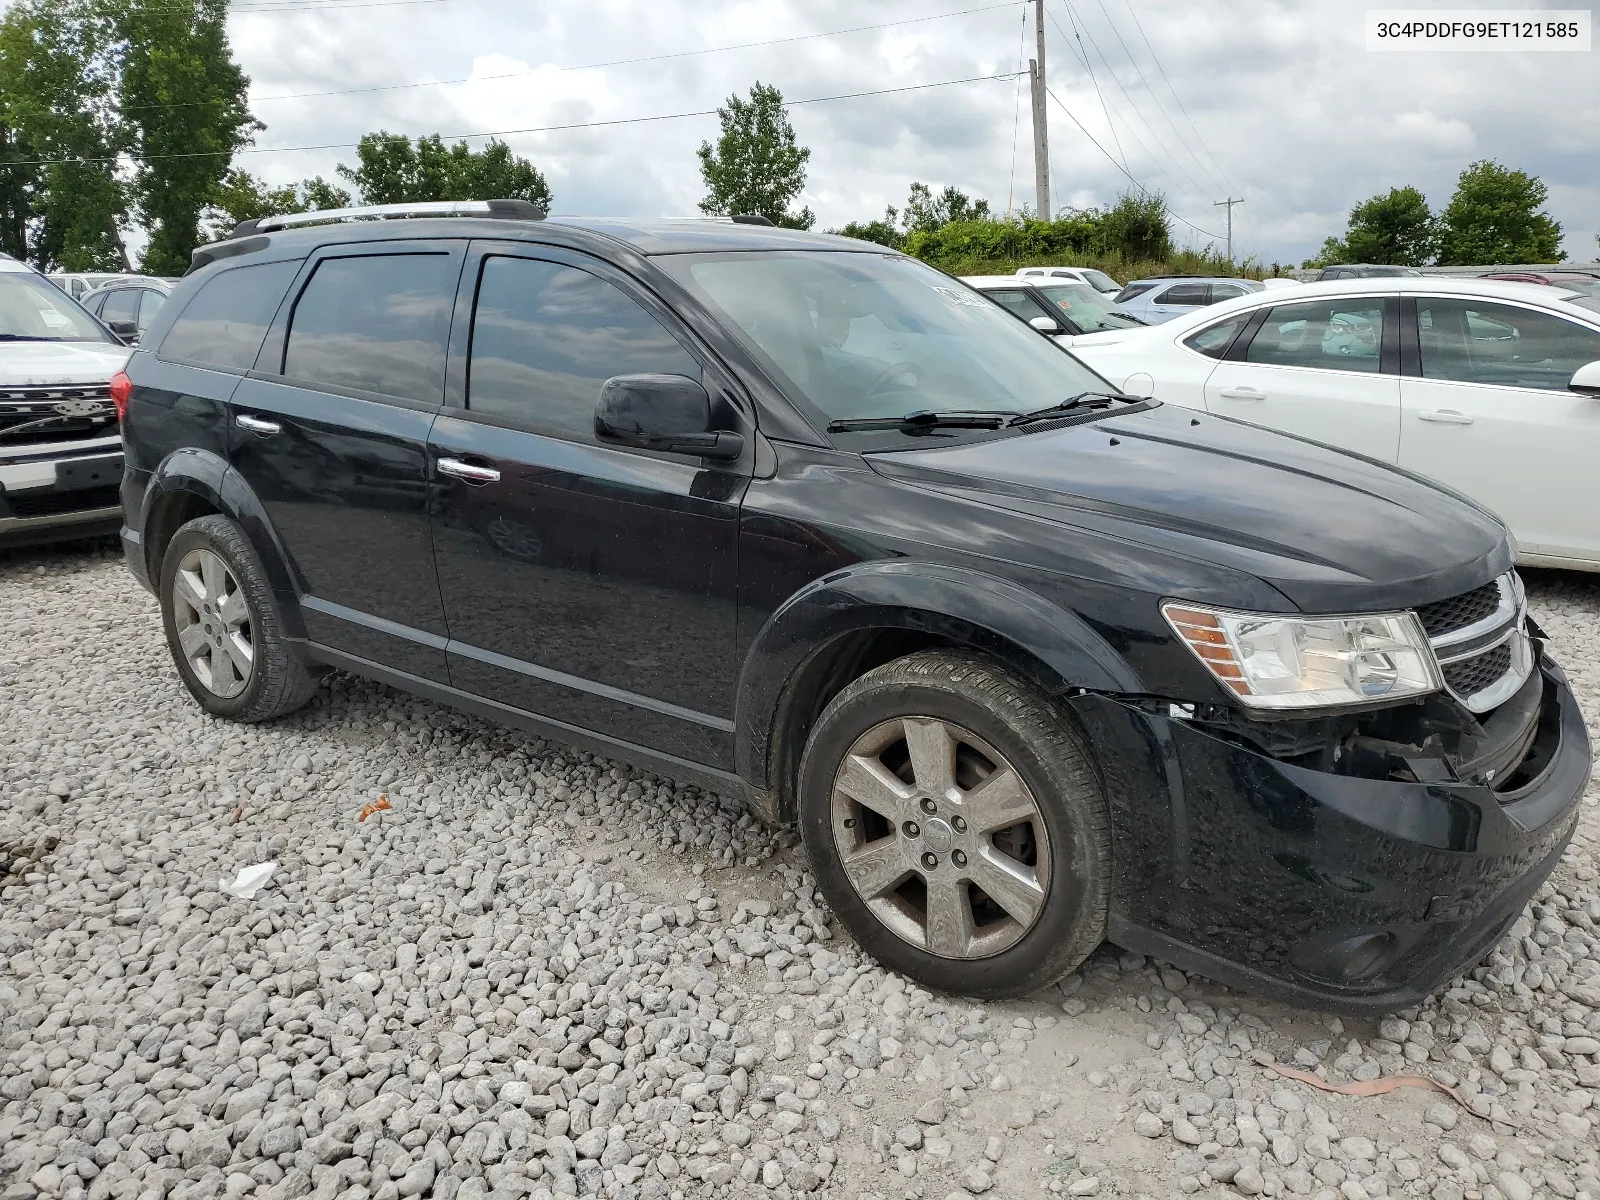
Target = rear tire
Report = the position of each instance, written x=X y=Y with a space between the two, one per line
x=956 y=824
x=223 y=627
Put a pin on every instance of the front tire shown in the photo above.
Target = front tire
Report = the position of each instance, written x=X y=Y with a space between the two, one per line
x=956 y=824
x=223 y=627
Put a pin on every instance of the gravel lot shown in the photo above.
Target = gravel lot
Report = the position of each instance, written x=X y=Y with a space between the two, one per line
x=541 y=974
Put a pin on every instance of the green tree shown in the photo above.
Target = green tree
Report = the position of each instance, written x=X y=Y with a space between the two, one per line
x=756 y=166
x=58 y=83
x=183 y=99
x=884 y=232
x=391 y=169
x=1136 y=227
x=1494 y=218
x=1394 y=228
x=926 y=212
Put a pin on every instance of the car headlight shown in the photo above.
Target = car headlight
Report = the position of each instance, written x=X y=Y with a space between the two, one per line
x=1282 y=662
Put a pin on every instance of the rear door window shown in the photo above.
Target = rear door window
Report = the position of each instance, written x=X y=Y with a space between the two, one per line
x=375 y=323
x=1227 y=291
x=1473 y=342
x=1335 y=335
x=150 y=302
x=223 y=323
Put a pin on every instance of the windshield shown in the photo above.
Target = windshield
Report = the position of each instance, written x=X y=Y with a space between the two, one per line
x=34 y=310
x=878 y=335
x=1086 y=308
x=1101 y=281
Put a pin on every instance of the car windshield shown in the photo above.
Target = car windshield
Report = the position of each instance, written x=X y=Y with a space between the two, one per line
x=1592 y=303
x=1086 y=308
x=34 y=310
x=1101 y=281
x=862 y=335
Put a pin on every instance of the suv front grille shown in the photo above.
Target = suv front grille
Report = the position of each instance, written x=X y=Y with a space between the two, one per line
x=1481 y=642
x=1446 y=616
x=1474 y=675
x=55 y=414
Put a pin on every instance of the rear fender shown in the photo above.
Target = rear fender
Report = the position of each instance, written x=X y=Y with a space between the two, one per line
x=1054 y=647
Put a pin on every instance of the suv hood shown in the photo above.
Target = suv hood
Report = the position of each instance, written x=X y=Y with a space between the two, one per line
x=42 y=364
x=1333 y=532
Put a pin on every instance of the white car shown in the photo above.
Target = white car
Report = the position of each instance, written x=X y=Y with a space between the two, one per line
x=1098 y=280
x=1491 y=388
x=1062 y=309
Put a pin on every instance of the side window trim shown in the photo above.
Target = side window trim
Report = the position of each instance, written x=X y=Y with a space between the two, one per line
x=1410 y=347
x=1389 y=337
x=1240 y=346
x=719 y=380
x=274 y=348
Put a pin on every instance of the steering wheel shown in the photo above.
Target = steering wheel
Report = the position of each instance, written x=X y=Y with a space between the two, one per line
x=890 y=372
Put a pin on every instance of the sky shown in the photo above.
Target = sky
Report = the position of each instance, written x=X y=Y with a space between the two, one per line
x=1280 y=104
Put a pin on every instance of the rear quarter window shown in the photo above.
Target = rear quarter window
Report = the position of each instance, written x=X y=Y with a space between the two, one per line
x=226 y=320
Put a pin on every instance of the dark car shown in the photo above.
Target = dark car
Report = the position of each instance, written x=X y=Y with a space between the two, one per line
x=1030 y=664
x=1363 y=271
x=1585 y=283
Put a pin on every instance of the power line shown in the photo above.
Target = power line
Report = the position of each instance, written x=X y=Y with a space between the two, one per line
x=593 y=66
x=1199 y=137
x=1119 y=166
x=1104 y=108
x=1134 y=108
x=702 y=112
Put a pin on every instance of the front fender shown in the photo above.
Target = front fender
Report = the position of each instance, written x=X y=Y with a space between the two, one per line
x=207 y=477
x=954 y=603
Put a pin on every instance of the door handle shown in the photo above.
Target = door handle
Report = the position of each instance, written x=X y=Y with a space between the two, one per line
x=470 y=472
x=257 y=425
x=1445 y=416
x=1242 y=393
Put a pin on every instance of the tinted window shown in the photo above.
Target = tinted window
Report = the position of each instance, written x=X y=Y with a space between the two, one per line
x=1132 y=290
x=224 y=322
x=376 y=323
x=1018 y=301
x=1100 y=281
x=1183 y=293
x=1474 y=342
x=546 y=336
x=1214 y=340
x=94 y=304
x=1227 y=291
x=121 y=305
x=1336 y=335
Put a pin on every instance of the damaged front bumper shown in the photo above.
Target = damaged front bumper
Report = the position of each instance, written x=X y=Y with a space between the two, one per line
x=1353 y=864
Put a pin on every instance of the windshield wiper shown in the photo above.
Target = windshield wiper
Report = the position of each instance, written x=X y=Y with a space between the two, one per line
x=28 y=337
x=916 y=422
x=1081 y=400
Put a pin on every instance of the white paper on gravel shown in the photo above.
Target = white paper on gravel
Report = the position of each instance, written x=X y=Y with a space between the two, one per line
x=249 y=881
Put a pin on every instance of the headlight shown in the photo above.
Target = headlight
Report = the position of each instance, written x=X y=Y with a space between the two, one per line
x=1281 y=662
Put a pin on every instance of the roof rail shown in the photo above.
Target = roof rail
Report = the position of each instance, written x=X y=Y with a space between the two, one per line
x=516 y=210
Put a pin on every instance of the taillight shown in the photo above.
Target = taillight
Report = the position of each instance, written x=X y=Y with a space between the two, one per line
x=121 y=390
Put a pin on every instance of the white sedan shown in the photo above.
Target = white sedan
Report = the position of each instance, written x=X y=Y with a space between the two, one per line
x=1491 y=388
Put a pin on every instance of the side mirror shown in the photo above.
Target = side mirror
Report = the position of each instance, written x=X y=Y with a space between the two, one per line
x=662 y=412
x=1586 y=380
x=128 y=331
x=1045 y=324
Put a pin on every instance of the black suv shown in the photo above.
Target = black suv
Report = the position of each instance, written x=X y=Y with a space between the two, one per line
x=1031 y=663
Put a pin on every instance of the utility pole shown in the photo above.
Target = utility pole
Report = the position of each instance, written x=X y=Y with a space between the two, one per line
x=1041 y=132
x=1230 y=204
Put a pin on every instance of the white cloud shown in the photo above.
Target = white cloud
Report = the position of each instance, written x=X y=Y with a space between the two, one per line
x=1281 y=102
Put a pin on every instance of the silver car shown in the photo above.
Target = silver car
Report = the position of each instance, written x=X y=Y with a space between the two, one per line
x=1156 y=300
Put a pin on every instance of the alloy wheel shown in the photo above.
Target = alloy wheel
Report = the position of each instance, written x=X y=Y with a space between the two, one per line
x=213 y=623
x=941 y=837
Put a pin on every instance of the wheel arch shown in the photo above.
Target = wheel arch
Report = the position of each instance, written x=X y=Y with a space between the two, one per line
x=191 y=483
x=839 y=627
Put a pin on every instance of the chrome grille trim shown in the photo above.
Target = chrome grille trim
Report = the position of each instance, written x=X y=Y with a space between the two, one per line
x=1506 y=626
